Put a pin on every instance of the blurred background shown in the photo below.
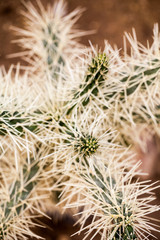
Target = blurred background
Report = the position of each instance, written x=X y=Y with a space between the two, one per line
x=110 y=19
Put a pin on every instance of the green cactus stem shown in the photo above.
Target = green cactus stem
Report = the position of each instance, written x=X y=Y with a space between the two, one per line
x=95 y=78
x=133 y=84
x=86 y=146
x=18 y=196
x=15 y=122
x=127 y=232
x=51 y=43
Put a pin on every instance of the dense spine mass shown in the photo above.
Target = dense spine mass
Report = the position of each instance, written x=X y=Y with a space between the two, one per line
x=19 y=194
x=68 y=128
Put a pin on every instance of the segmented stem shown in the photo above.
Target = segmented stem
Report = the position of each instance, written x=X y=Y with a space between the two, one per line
x=19 y=193
x=15 y=123
x=94 y=79
x=87 y=145
x=116 y=206
x=51 y=43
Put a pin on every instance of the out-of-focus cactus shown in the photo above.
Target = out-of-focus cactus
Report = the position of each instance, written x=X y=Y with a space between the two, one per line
x=49 y=37
x=20 y=196
x=137 y=102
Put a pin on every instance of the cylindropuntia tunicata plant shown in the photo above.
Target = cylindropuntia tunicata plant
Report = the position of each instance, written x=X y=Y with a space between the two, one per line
x=49 y=37
x=68 y=121
x=22 y=193
x=108 y=195
x=138 y=99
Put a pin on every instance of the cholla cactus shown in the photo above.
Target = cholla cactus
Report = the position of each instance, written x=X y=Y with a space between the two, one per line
x=94 y=81
x=137 y=103
x=49 y=37
x=116 y=205
x=22 y=194
x=67 y=124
